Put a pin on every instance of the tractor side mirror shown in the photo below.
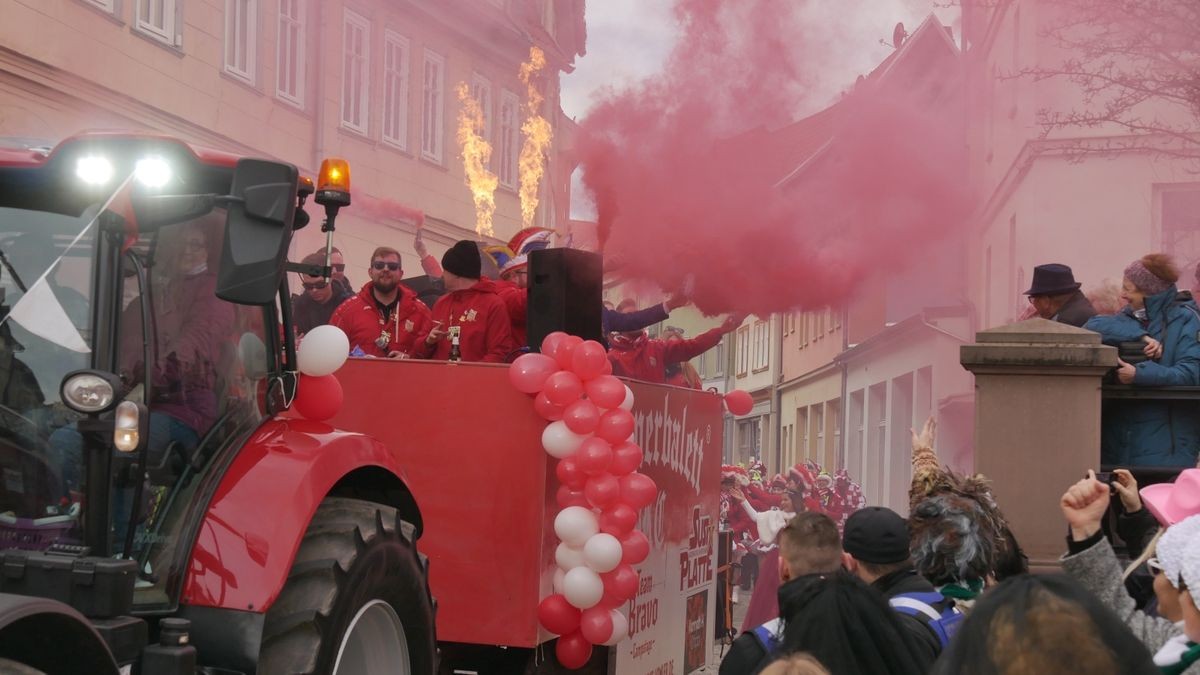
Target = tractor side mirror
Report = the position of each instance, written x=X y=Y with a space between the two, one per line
x=258 y=230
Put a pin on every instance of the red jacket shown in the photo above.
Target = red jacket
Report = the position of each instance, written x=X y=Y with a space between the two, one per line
x=486 y=332
x=644 y=359
x=362 y=322
x=516 y=300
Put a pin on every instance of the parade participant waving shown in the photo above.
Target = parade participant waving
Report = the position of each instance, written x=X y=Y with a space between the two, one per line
x=471 y=308
x=385 y=319
x=635 y=354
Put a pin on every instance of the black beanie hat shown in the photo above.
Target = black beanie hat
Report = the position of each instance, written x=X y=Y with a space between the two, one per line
x=463 y=260
x=876 y=535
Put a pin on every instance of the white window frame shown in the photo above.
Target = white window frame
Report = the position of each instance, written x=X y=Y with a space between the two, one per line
x=433 y=107
x=761 y=346
x=359 y=61
x=743 y=350
x=396 y=62
x=481 y=91
x=293 y=32
x=106 y=6
x=241 y=38
x=508 y=143
x=166 y=30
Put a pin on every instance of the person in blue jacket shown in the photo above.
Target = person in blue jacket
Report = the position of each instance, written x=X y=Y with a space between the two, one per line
x=1167 y=323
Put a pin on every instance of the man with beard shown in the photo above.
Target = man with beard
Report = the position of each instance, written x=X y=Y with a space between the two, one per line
x=315 y=306
x=385 y=319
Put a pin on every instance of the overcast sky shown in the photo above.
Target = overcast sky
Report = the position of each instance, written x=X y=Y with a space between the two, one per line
x=629 y=40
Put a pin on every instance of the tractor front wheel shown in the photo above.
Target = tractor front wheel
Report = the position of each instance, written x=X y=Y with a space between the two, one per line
x=356 y=600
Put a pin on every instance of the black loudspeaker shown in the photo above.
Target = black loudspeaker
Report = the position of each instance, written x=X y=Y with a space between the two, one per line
x=565 y=293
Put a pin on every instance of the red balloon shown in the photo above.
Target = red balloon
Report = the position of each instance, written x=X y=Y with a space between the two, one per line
x=621 y=582
x=318 y=398
x=603 y=490
x=607 y=368
x=582 y=416
x=564 y=353
x=610 y=601
x=563 y=388
x=568 y=497
x=606 y=391
x=616 y=426
x=557 y=615
x=570 y=474
x=638 y=490
x=596 y=625
x=739 y=402
x=618 y=520
x=573 y=651
x=594 y=456
x=542 y=406
x=588 y=359
x=635 y=547
x=529 y=372
x=627 y=457
x=550 y=342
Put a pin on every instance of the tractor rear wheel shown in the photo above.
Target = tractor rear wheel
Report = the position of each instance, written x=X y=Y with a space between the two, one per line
x=356 y=600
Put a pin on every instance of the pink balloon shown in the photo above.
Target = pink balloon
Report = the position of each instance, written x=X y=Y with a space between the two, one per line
x=605 y=391
x=529 y=372
x=550 y=342
x=557 y=615
x=582 y=416
x=621 y=582
x=618 y=520
x=739 y=402
x=547 y=410
x=602 y=491
x=594 y=456
x=638 y=490
x=635 y=547
x=318 y=398
x=627 y=457
x=568 y=497
x=573 y=651
x=564 y=353
x=596 y=625
x=588 y=359
x=569 y=473
x=563 y=388
x=616 y=426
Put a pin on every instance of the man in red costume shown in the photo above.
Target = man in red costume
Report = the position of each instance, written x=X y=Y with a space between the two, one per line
x=473 y=307
x=636 y=355
x=385 y=319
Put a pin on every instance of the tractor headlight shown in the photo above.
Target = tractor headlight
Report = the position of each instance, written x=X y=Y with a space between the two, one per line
x=89 y=391
x=94 y=170
x=128 y=426
x=153 y=172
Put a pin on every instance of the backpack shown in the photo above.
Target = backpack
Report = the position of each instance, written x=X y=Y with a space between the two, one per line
x=923 y=606
x=768 y=636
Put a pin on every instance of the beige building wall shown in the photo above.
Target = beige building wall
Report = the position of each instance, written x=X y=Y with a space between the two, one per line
x=810 y=419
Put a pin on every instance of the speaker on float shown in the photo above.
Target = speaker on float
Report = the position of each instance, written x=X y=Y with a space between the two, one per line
x=565 y=293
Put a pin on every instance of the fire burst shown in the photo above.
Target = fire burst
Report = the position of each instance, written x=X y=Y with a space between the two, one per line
x=476 y=153
x=537 y=133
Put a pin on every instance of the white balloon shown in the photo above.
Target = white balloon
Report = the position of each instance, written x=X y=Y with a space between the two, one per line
x=583 y=587
x=627 y=404
x=557 y=583
x=569 y=557
x=323 y=350
x=620 y=628
x=602 y=552
x=559 y=441
x=253 y=353
x=574 y=525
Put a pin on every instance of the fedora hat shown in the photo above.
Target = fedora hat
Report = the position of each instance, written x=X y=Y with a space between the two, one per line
x=1052 y=279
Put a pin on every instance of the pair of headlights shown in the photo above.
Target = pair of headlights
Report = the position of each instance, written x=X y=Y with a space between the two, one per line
x=153 y=172
x=90 y=392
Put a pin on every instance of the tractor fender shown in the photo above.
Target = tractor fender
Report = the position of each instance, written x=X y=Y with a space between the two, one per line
x=265 y=500
x=51 y=637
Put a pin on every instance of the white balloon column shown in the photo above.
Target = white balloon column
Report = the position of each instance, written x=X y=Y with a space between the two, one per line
x=600 y=491
x=322 y=351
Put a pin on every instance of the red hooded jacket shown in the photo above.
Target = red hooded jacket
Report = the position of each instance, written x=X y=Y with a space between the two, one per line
x=516 y=300
x=359 y=317
x=644 y=359
x=479 y=311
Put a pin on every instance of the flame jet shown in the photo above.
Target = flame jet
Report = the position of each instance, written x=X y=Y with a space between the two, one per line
x=537 y=133
x=476 y=153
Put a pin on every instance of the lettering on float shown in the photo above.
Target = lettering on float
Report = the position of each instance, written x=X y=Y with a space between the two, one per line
x=666 y=441
x=696 y=561
x=643 y=613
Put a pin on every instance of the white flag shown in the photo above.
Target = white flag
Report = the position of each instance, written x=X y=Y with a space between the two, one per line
x=40 y=313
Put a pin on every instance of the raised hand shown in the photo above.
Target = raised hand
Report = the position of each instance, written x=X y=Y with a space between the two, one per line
x=1083 y=505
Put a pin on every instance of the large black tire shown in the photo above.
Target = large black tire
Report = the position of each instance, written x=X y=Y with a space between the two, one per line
x=353 y=553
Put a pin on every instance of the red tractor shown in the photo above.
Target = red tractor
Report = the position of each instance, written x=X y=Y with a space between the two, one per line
x=154 y=503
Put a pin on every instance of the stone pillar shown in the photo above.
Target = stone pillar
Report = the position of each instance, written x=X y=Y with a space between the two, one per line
x=1037 y=422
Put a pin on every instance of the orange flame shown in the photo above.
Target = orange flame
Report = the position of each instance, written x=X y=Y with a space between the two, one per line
x=537 y=133
x=476 y=153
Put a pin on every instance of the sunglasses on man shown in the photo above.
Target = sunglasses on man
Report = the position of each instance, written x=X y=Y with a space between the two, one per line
x=338 y=267
x=380 y=265
x=314 y=285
